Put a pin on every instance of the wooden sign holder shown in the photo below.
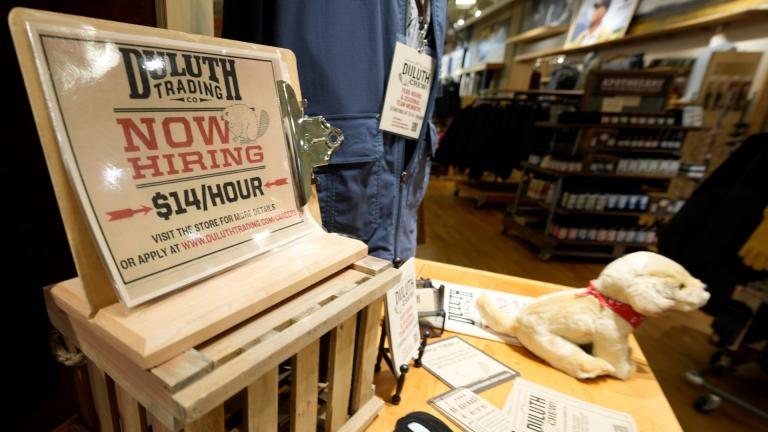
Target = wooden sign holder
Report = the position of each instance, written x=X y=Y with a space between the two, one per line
x=181 y=357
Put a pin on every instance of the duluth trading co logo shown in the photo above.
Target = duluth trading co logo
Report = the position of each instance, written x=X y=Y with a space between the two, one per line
x=179 y=76
x=415 y=76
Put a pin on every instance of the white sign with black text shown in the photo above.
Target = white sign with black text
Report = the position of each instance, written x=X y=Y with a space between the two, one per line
x=459 y=364
x=410 y=81
x=537 y=408
x=471 y=412
x=403 y=317
x=463 y=317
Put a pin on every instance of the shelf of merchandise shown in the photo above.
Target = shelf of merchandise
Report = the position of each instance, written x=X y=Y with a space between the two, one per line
x=519 y=218
x=538 y=34
x=550 y=92
x=549 y=246
x=553 y=125
x=481 y=67
x=752 y=12
x=563 y=210
x=663 y=151
x=556 y=173
x=603 y=243
x=474 y=80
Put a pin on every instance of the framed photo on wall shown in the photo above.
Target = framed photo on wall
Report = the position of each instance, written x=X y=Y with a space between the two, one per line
x=599 y=21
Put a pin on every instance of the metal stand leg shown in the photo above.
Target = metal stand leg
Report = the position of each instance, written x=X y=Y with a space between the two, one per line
x=422 y=347
x=384 y=354
x=400 y=384
x=377 y=368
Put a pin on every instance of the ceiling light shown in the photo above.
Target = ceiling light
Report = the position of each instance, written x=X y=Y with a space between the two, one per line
x=478 y=13
x=460 y=22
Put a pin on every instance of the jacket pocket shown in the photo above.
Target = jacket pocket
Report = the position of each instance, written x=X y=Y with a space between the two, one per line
x=363 y=141
x=348 y=188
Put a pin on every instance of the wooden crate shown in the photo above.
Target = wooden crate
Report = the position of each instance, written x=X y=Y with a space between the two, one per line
x=235 y=380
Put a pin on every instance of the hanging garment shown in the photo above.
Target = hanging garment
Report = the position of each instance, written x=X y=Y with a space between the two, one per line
x=489 y=138
x=375 y=182
x=707 y=233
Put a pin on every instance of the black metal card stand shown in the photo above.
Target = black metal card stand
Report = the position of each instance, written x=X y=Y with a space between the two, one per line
x=385 y=352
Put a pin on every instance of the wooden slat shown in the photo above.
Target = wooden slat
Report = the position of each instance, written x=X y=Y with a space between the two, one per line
x=203 y=311
x=305 y=367
x=103 y=393
x=157 y=425
x=364 y=416
x=342 y=350
x=223 y=348
x=260 y=411
x=485 y=279
x=147 y=388
x=213 y=421
x=365 y=358
x=372 y=265
x=133 y=418
x=183 y=369
x=225 y=381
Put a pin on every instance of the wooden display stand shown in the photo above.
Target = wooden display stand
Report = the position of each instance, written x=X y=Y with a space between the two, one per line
x=234 y=375
x=192 y=358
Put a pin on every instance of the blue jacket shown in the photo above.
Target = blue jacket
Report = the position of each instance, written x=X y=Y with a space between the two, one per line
x=375 y=182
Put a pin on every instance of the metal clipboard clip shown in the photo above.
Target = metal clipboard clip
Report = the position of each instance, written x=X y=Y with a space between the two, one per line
x=312 y=140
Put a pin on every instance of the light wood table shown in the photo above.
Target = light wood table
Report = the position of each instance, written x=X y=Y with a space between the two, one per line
x=641 y=395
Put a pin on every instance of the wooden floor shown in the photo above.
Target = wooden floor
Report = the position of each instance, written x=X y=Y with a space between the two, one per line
x=457 y=233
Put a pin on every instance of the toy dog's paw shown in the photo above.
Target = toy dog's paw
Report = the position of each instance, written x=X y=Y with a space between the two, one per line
x=494 y=318
x=594 y=367
x=624 y=370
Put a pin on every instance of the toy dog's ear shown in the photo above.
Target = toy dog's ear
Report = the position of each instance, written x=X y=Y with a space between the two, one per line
x=649 y=295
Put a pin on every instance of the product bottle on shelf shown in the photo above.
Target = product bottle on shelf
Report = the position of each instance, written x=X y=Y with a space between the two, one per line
x=535 y=81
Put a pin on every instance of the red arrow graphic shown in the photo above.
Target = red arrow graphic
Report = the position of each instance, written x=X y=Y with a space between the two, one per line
x=126 y=213
x=279 y=182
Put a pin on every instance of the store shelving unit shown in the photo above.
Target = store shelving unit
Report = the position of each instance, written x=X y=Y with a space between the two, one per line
x=494 y=190
x=613 y=126
x=475 y=79
x=536 y=220
x=582 y=174
x=538 y=34
x=752 y=12
x=482 y=67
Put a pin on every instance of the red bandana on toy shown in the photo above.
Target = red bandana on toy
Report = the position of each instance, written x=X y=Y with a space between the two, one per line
x=623 y=310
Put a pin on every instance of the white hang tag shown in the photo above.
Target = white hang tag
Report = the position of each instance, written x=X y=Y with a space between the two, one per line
x=410 y=80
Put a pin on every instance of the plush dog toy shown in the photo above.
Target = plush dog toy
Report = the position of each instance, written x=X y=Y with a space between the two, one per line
x=557 y=325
